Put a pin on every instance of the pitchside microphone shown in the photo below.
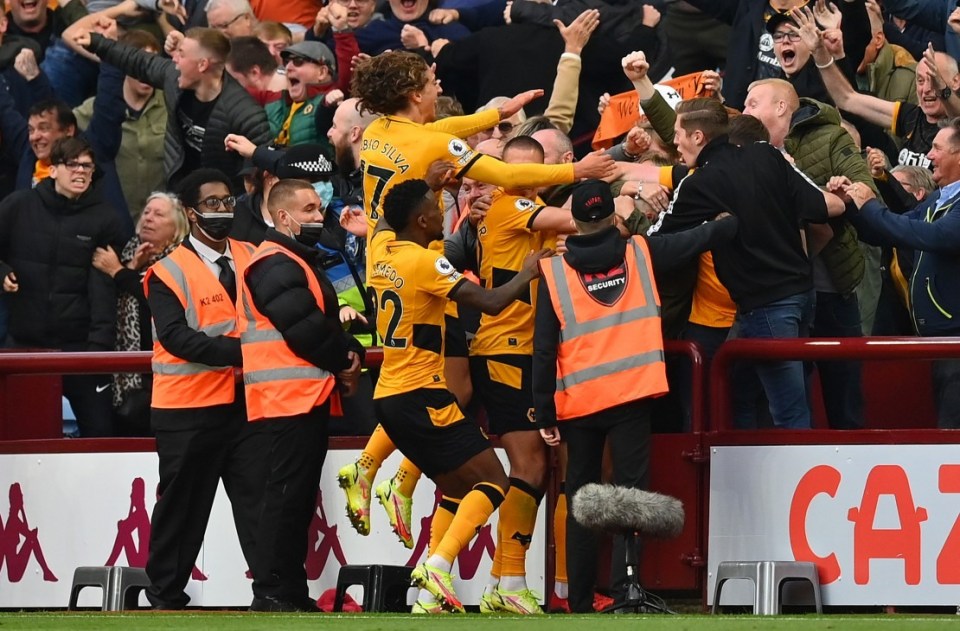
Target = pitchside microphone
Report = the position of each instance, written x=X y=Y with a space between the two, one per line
x=620 y=508
x=634 y=514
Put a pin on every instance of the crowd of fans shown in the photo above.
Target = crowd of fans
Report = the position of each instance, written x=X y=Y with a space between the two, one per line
x=105 y=107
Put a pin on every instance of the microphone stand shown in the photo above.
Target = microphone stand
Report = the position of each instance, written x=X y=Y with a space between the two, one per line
x=637 y=599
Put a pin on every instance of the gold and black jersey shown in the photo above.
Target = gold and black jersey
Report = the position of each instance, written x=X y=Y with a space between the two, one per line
x=504 y=238
x=394 y=150
x=410 y=286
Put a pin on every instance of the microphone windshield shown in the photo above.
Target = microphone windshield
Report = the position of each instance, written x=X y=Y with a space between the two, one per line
x=609 y=507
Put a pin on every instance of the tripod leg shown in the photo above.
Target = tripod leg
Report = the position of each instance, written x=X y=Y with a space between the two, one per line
x=637 y=600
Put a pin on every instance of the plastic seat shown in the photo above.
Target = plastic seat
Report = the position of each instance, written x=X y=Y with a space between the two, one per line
x=126 y=583
x=121 y=585
x=89 y=576
x=768 y=578
x=385 y=587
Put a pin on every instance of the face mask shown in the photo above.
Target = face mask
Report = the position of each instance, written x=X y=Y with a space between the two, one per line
x=325 y=191
x=309 y=233
x=215 y=225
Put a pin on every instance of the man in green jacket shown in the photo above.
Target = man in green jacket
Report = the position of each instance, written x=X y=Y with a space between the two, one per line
x=311 y=74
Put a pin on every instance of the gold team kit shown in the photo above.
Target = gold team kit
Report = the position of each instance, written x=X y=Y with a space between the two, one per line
x=411 y=285
x=501 y=353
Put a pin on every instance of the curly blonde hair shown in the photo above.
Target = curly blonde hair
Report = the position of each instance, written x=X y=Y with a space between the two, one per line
x=384 y=83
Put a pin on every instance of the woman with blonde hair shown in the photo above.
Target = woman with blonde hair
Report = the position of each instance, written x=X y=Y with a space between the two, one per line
x=162 y=226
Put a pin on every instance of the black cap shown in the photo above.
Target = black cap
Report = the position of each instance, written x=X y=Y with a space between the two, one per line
x=591 y=201
x=777 y=19
x=306 y=162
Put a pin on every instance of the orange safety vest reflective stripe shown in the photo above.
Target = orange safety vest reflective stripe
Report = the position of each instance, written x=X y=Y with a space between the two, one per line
x=277 y=382
x=178 y=383
x=607 y=355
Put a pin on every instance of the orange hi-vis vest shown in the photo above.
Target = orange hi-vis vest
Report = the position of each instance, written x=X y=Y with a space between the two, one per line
x=178 y=383
x=607 y=355
x=277 y=382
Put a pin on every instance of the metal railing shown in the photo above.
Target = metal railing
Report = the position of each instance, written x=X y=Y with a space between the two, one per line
x=808 y=349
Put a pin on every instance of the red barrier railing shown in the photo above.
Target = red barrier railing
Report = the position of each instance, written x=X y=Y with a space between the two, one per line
x=806 y=349
x=58 y=363
x=697 y=379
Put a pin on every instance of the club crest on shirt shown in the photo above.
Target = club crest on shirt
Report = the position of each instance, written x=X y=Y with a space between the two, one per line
x=524 y=205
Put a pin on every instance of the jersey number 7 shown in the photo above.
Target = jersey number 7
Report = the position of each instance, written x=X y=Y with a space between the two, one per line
x=380 y=176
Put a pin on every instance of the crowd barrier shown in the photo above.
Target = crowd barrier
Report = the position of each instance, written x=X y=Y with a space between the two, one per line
x=679 y=460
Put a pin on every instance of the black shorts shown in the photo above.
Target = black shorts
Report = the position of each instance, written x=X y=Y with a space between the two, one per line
x=455 y=342
x=504 y=386
x=430 y=429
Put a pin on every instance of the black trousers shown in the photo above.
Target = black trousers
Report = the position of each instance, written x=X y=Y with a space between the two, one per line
x=90 y=397
x=293 y=459
x=359 y=418
x=628 y=429
x=197 y=448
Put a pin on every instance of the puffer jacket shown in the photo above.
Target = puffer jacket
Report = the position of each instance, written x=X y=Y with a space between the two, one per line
x=234 y=113
x=48 y=240
x=822 y=149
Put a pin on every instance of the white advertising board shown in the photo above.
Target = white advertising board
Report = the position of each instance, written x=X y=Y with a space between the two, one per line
x=61 y=511
x=880 y=521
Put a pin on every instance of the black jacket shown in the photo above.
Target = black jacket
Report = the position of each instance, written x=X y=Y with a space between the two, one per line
x=235 y=111
x=279 y=289
x=48 y=240
x=766 y=261
x=103 y=133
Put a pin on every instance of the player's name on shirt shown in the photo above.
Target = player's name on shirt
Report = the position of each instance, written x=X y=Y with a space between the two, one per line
x=389 y=151
x=387 y=271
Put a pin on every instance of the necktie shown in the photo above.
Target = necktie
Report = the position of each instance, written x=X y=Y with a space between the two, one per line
x=227 y=278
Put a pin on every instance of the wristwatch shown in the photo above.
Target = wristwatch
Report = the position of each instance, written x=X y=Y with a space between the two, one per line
x=944 y=94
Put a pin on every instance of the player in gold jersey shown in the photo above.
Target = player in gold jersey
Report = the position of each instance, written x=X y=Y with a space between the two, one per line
x=405 y=140
x=411 y=284
x=501 y=357
x=400 y=146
